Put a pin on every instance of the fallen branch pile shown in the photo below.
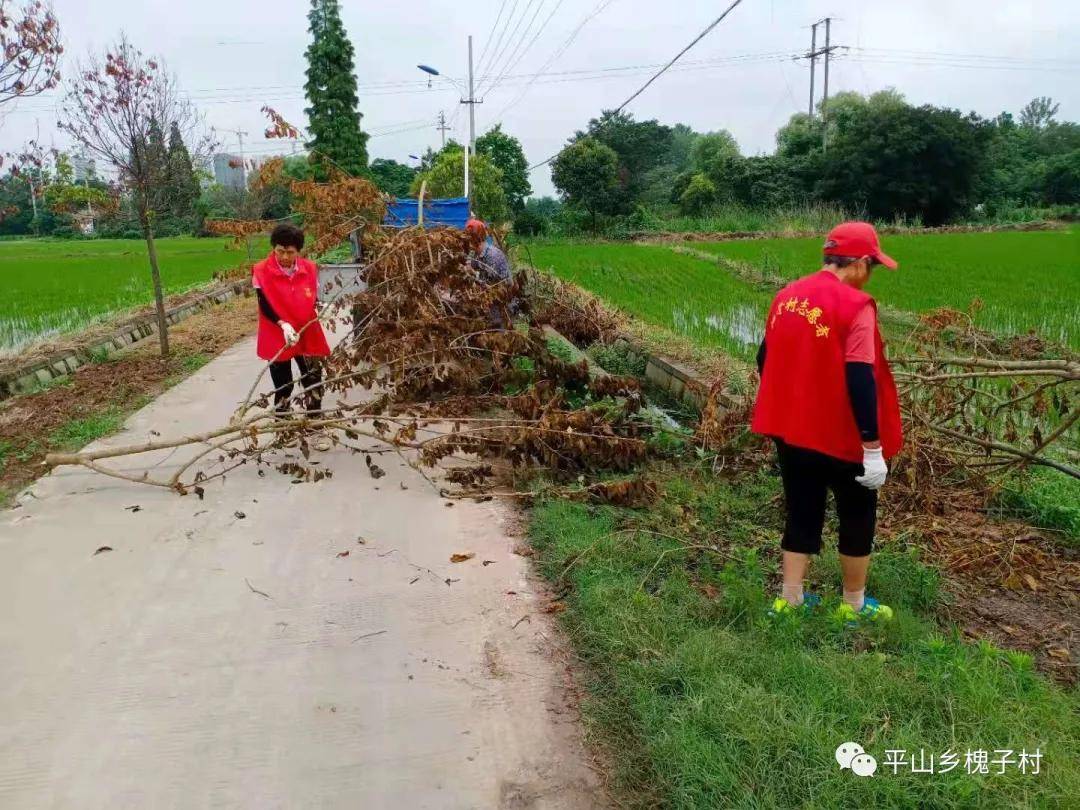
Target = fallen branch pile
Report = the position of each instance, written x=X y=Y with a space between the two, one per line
x=971 y=420
x=438 y=375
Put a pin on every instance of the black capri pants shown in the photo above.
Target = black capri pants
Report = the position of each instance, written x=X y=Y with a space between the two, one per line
x=310 y=380
x=808 y=477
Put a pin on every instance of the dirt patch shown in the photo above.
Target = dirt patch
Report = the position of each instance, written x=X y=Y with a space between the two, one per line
x=118 y=386
x=1009 y=583
x=1041 y=624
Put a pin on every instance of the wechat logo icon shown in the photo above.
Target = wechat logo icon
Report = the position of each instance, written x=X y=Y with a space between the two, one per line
x=851 y=755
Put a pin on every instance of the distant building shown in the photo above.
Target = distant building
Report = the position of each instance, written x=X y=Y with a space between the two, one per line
x=229 y=170
x=83 y=167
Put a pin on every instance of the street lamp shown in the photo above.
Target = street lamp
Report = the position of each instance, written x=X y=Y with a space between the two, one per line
x=472 y=102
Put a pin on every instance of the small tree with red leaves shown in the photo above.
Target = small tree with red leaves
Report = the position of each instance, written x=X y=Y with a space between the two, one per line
x=112 y=109
x=29 y=50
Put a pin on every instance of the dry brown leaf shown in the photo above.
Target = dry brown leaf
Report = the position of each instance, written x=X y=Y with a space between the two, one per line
x=554 y=607
x=460 y=558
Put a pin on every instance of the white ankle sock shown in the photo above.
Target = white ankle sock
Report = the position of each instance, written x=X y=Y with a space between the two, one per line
x=856 y=599
x=793 y=594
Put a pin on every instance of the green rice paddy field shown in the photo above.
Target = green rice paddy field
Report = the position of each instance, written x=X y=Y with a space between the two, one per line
x=55 y=286
x=1025 y=280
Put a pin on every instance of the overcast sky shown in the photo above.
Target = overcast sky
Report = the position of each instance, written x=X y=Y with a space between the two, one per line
x=233 y=57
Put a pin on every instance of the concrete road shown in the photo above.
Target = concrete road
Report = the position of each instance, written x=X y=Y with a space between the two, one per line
x=155 y=675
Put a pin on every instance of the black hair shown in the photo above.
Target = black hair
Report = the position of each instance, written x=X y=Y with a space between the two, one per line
x=287 y=235
x=840 y=262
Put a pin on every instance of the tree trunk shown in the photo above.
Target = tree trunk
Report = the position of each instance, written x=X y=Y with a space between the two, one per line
x=159 y=297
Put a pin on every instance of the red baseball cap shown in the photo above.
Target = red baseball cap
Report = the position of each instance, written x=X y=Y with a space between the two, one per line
x=475 y=227
x=855 y=240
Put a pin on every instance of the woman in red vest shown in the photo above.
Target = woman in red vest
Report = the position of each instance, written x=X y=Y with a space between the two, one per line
x=287 y=287
x=828 y=399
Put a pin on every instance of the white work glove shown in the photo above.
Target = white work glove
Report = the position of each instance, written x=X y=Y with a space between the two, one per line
x=874 y=470
x=291 y=336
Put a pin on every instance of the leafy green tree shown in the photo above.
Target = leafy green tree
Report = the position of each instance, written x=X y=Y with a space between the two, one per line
x=392 y=177
x=1039 y=112
x=427 y=160
x=640 y=146
x=182 y=186
x=537 y=216
x=698 y=196
x=546 y=207
x=333 y=115
x=16 y=212
x=800 y=136
x=683 y=139
x=298 y=167
x=711 y=148
x=1060 y=179
x=586 y=173
x=447 y=179
x=155 y=158
x=505 y=152
x=918 y=162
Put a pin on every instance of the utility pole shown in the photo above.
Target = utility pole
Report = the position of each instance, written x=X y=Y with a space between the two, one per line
x=442 y=127
x=825 y=98
x=30 y=174
x=813 y=54
x=470 y=151
x=243 y=164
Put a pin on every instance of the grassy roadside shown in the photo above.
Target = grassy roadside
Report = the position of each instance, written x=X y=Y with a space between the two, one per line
x=685 y=298
x=95 y=400
x=699 y=701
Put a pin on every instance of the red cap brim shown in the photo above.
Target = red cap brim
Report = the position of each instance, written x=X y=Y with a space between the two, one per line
x=887 y=260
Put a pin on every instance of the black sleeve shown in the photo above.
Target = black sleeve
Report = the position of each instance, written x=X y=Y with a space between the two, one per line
x=265 y=308
x=863 y=392
x=761 y=358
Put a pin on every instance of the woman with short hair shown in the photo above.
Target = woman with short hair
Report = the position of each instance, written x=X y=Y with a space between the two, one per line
x=287 y=287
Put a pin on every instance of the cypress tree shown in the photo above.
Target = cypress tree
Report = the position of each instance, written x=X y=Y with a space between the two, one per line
x=154 y=159
x=333 y=117
x=182 y=185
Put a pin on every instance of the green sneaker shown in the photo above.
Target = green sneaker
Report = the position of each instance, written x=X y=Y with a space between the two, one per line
x=782 y=607
x=872 y=611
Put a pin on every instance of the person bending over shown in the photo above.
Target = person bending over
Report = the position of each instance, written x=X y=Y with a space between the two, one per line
x=287 y=286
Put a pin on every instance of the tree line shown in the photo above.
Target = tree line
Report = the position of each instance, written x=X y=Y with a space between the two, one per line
x=874 y=156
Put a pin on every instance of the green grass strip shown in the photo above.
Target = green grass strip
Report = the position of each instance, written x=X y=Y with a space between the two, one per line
x=702 y=702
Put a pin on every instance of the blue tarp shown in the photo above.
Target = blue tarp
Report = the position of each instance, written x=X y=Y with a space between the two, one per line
x=402 y=213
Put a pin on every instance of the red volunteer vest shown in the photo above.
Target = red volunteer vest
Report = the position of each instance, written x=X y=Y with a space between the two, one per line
x=803 y=398
x=293 y=299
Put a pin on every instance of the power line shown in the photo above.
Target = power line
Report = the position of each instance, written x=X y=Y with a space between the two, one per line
x=502 y=34
x=597 y=10
x=966 y=56
x=520 y=53
x=659 y=73
x=518 y=80
x=532 y=42
x=508 y=47
x=932 y=63
x=487 y=42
